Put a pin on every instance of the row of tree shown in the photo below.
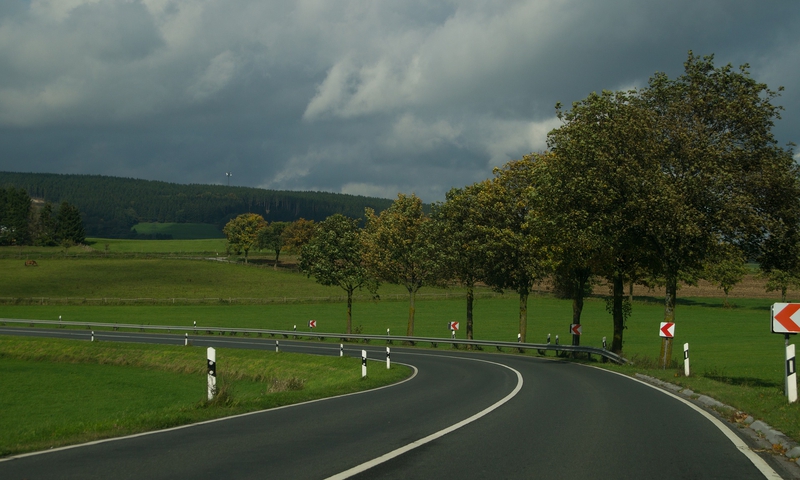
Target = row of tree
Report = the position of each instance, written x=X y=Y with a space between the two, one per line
x=250 y=231
x=22 y=223
x=665 y=184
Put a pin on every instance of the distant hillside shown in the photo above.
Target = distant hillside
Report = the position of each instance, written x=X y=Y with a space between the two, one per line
x=111 y=205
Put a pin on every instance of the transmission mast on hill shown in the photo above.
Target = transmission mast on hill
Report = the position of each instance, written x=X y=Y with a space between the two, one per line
x=228 y=174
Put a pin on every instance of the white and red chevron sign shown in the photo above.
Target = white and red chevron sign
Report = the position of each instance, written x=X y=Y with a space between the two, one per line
x=786 y=318
x=312 y=324
x=667 y=330
x=575 y=328
x=452 y=325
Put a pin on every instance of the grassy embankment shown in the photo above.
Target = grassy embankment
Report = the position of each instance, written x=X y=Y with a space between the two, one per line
x=734 y=357
x=63 y=392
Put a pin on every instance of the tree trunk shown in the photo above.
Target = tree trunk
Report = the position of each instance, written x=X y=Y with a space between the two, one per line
x=349 y=311
x=523 y=315
x=617 y=313
x=412 y=294
x=470 y=299
x=577 y=309
x=669 y=316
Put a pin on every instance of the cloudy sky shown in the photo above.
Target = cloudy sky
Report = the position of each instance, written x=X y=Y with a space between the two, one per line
x=364 y=97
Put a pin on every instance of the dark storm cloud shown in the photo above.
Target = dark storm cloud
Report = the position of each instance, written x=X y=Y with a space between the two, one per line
x=350 y=96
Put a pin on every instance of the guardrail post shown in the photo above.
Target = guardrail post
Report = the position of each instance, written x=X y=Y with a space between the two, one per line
x=388 y=361
x=363 y=363
x=212 y=372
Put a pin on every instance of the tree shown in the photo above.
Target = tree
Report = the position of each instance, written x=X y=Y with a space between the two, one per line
x=272 y=237
x=15 y=207
x=70 y=225
x=780 y=280
x=46 y=226
x=725 y=269
x=297 y=234
x=515 y=258
x=591 y=193
x=335 y=256
x=720 y=169
x=242 y=233
x=461 y=241
x=399 y=248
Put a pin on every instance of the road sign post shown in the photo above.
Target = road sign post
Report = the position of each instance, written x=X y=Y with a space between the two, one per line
x=667 y=332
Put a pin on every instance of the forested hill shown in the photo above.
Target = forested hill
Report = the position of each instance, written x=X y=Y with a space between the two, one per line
x=112 y=205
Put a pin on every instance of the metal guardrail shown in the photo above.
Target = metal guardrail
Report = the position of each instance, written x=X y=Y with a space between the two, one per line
x=434 y=341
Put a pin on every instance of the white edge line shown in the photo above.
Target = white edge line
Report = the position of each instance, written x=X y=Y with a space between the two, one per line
x=214 y=420
x=411 y=446
x=758 y=462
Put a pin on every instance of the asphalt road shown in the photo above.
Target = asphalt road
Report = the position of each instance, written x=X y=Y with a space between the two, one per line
x=527 y=418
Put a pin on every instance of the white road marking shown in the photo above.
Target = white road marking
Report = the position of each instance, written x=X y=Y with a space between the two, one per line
x=757 y=461
x=411 y=446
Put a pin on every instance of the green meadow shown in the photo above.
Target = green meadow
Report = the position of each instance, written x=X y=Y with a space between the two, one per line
x=734 y=356
x=64 y=392
x=180 y=231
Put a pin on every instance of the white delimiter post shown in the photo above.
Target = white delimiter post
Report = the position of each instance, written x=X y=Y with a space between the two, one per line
x=212 y=372
x=686 y=370
x=791 y=374
x=341 y=349
x=388 y=361
x=363 y=363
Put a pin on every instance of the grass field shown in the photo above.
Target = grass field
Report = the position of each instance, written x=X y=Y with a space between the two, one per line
x=180 y=231
x=63 y=391
x=735 y=358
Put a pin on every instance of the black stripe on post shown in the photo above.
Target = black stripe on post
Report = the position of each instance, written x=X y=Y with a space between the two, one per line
x=790 y=366
x=212 y=368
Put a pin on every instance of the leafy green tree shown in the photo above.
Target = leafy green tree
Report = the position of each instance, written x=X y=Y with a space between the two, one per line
x=780 y=280
x=70 y=225
x=15 y=207
x=725 y=269
x=719 y=168
x=399 y=248
x=46 y=226
x=515 y=258
x=461 y=241
x=591 y=193
x=271 y=237
x=242 y=233
x=335 y=256
x=297 y=234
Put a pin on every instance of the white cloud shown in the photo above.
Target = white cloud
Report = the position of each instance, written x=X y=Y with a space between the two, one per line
x=219 y=72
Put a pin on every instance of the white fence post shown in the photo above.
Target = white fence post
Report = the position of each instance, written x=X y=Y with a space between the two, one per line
x=212 y=372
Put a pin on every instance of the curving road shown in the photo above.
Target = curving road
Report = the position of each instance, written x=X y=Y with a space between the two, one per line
x=527 y=418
